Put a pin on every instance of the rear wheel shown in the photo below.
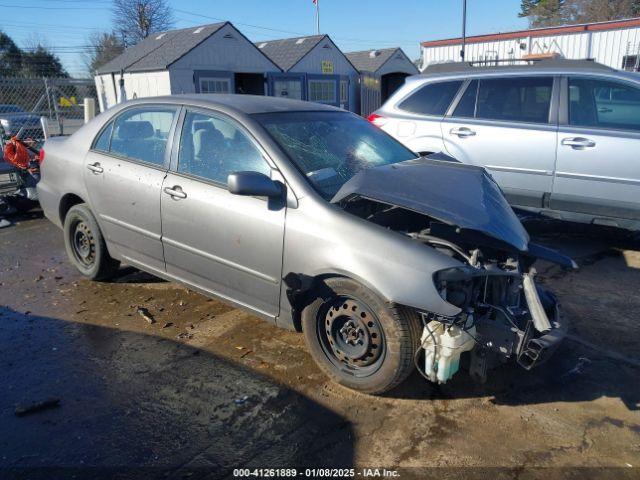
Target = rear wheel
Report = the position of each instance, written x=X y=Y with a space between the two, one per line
x=358 y=339
x=85 y=245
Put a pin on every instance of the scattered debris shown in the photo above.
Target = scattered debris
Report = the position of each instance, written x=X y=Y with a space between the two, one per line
x=22 y=410
x=241 y=400
x=144 y=313
x=167 y=325
x=38 y=278
x=246 y=353
x=4 y=223
x=186 y=335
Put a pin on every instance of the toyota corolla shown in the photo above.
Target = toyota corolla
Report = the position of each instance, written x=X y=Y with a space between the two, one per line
x=315 y=220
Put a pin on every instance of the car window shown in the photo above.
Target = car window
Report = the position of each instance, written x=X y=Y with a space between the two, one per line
x=432 y=99
x=526 y=99
x=213 y=148
x=467 y=105
x=142 y=133
x=603 y=103
x=104 y=139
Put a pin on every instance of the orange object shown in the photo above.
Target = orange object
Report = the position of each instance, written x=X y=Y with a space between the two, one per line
x=16 y=153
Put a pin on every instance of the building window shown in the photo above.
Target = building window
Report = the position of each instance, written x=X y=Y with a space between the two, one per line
x=322 y=91
x=344 y=91
x=630 y=63
x=214 y=85
x=288 y=89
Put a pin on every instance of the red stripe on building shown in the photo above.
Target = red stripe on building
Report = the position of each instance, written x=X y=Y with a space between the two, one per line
x=538 y=32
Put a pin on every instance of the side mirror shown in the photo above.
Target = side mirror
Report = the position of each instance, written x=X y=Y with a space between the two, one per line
x=253 y=184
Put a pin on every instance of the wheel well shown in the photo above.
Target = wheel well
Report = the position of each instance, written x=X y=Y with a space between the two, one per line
x=299 y=289
x=68 y=201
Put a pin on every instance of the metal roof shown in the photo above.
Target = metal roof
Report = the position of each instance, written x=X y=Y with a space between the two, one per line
x=539 y=32
x=373 y=60
x=287 y=52
x=159 y=50
x=247 y=104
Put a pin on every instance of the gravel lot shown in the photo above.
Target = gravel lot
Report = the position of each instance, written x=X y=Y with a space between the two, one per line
x=205 y=388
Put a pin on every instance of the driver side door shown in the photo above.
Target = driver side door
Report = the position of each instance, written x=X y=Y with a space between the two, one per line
x=224 y=244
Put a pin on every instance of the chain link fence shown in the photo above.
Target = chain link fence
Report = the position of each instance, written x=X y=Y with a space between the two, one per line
x=58 y=101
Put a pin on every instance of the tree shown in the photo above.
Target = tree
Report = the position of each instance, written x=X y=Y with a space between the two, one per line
x=10 y=56
x=104 y=47
x=40 y=62
x=137 y=19
x=544 y=13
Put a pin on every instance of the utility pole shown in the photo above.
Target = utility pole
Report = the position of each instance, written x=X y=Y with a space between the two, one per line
x=317 y=2
x=464 y=28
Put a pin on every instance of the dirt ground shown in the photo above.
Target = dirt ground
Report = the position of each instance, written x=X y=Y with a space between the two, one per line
x=205 y=388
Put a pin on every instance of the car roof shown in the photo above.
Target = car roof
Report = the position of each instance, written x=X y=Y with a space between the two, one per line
x=247 y=104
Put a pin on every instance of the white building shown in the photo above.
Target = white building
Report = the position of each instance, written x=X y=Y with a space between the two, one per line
x=614 y=43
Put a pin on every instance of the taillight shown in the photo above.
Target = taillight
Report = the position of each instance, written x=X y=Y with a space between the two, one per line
x=377 y=120
x=41 y=156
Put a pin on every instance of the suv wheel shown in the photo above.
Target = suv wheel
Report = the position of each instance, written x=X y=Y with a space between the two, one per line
x=358 y=339
x=85 y=245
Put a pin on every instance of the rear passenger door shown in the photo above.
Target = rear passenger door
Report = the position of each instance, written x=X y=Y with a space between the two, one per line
x=416 y=121
x=598 y=168
x=123 y=173
x=509 y=126
x=224 y=244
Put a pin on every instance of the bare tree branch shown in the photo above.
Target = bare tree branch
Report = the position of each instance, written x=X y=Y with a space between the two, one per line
x=135 y=20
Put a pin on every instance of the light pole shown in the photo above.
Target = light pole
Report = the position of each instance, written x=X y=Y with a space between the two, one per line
x=464 y=28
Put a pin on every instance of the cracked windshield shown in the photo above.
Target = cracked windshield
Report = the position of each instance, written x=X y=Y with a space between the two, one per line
x=331 y=147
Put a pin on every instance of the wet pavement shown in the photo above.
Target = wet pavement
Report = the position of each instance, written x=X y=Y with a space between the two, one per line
x=191 y=388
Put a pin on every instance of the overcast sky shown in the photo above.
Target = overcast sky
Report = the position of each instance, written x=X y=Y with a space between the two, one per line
x=64 y=25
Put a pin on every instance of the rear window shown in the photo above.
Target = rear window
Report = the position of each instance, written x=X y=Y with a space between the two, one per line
x=432 y=99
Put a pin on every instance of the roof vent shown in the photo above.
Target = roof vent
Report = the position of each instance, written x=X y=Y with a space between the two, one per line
x=374 y=53
x=300 y=41
x=327 y=46
x=228 y=36
x=160 y=36
x=262 y=45
x=198 y=30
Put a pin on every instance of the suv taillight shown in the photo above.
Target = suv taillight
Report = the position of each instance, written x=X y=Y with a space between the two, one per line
x=377 y=120
x=41 y=156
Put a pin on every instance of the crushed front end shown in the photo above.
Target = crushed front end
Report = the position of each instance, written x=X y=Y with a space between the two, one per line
x=504 y=316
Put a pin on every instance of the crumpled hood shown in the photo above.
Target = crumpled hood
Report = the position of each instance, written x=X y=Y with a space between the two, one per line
x=453 y=193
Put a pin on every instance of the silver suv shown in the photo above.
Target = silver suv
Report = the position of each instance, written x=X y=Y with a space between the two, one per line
x=561 y=137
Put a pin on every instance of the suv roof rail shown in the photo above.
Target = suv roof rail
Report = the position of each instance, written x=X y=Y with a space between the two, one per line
x=526 y=64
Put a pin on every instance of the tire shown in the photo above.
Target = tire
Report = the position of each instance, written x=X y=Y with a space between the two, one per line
x=357 y=339
x=85 y=245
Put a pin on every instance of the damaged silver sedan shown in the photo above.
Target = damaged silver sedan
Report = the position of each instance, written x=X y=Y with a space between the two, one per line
x=315 y=220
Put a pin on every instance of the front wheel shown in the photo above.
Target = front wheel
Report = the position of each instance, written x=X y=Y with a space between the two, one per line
x=85 y=245
x=358 y=339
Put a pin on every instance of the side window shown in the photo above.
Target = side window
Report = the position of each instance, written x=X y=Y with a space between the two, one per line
x=104 y=139
x=467 y=105
x=432 y=99
x=212 y=148
x=515 y=99
x=602 y=103
x=142 y=133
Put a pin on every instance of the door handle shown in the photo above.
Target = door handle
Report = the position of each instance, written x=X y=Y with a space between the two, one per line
x=578 y=143
x=175 y=192
x=95 y=167
x=462 y=132
x=605 y=110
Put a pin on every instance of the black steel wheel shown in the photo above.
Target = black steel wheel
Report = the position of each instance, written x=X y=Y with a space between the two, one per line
x=357 y=338
x=85 y=245
x=351 y=336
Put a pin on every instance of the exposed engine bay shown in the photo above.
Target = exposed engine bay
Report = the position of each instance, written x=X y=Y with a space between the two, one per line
x=503 y=314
